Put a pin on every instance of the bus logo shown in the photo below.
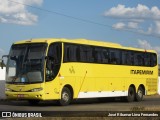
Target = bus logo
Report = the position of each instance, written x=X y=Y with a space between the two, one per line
x=142 y=72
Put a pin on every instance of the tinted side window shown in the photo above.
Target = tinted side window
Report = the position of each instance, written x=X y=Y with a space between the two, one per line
x=153 y=59
x=126 y=58
x=147 y=59
x=71 y=53
x=97 y=55
x=55 y=52
x=77 y=53
x=105 y=55
x=115 y=56
x=138 y=59
x=86 y=54
x=53 y=61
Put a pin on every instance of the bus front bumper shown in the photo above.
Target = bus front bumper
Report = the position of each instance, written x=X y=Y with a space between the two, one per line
x=24 y=95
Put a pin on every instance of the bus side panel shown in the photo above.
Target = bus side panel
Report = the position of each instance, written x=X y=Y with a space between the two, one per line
x=74 y=74
x=102 y=80
x=52 y=89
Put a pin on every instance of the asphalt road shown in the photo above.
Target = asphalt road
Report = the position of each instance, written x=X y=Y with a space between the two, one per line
x=148 y=103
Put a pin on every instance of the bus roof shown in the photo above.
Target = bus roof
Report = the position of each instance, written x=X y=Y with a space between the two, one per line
x=81 y=41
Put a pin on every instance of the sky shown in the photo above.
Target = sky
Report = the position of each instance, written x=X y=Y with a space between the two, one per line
x=133 y=23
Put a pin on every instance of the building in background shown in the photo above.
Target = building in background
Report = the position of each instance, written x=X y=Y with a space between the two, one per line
x=2 y=82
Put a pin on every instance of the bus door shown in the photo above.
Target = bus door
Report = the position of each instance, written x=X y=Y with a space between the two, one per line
x=53 y=63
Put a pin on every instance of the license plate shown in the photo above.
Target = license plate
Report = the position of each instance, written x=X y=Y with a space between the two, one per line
x=20 y=96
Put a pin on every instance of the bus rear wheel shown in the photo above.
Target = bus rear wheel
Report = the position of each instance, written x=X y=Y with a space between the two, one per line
x=66 y=97
x=131 y=94
x=139 y=94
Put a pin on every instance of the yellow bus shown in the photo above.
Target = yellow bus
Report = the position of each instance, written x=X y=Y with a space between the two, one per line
x=63 y=70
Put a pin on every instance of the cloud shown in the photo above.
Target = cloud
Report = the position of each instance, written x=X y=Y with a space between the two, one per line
x=146 y=45
x=15 y=13
x=135 y=18
x=122 y=25
x=119 y=25
x=139 y=12
x=132 y=25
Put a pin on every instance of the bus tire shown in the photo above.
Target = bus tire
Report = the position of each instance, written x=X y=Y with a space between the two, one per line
x=33 y=102
x=131 y=94
x=139 y=94
x=66 y=97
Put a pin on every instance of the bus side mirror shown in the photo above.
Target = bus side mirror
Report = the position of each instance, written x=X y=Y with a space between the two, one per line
x=2 y=61
x=1 y=64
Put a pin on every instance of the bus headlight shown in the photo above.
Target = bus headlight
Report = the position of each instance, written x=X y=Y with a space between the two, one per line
x=8 y=89
x=36 y=89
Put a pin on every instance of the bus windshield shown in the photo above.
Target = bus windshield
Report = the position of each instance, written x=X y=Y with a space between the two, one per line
x=26 y=63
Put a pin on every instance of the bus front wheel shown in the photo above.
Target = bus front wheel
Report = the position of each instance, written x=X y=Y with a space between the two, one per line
x=131 y=94
x=65 y=97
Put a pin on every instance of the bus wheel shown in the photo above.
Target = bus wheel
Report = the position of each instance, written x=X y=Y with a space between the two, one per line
x=33 y=102
x=139 y=94
x=131 y=94
x=65 y=97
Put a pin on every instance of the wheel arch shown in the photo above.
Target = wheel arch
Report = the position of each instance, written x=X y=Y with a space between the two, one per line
x=131 y=93
x=132 y=85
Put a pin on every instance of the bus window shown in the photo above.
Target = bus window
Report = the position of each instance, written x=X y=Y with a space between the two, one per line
x=125 y=58
x=77 y=53
x=131 y=57
x=71 y=53
x=97 y=55
x=138 y=59
x=26 y=61
x=16 y=59
x=86 y=54
x=105 y=56
x=115 y=56
x=147 y=59
x=66 y=53
x=53 y=61
x=34 y=57
x=89 y=54
x=153 y=60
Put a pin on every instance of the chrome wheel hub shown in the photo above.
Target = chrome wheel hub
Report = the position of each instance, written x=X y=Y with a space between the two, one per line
x=65 y=96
